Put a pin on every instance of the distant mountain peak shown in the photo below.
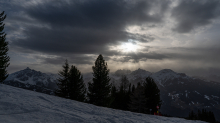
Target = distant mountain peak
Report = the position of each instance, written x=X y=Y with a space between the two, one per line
x=32 y=77
x=140 y=71
x=166 y=74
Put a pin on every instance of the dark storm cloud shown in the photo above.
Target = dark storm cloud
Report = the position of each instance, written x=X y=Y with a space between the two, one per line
x=67 y=40
x=94 y=13
x=75 y=59
x=85 y=27
x=194 y=13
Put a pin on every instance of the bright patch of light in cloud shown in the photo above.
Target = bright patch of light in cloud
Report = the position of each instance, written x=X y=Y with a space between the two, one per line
x=126 y=47
x=129 y=47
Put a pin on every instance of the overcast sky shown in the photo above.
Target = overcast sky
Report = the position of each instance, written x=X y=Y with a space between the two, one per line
x=149 y=34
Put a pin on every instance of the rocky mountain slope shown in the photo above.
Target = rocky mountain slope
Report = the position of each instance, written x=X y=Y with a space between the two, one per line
x=33 y=80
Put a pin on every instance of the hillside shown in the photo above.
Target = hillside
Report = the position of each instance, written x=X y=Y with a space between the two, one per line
x=24 y=106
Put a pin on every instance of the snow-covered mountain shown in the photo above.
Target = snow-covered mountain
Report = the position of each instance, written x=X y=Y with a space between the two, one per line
x=24 y=106
x=29 y=76
x=161 y=77
x=181 y=93
x=33 y=80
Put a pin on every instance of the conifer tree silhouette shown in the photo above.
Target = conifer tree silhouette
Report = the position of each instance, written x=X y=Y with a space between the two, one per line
x=4 y=58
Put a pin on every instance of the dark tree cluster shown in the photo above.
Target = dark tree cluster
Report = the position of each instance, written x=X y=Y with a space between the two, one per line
x=71 y=84
x=138 y=100
x=120 y=98
x=152 y=93
x=143 y=99
x=203 y=115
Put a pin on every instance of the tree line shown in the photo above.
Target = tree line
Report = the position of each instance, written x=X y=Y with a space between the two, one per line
x=203 y=115
x=143 y=98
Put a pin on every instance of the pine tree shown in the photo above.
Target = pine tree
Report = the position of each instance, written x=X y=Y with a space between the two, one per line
x=62 y=83
x=211 y=117
x=76 y=86
x=124 y=83
x=4 y=59
x=133 y=88
x=192 y=115
x=138 y=100
x=113 y=97
x=199 y=115
x=152 y=93
x=127 y=97
x=99 y=89
x=123 y=95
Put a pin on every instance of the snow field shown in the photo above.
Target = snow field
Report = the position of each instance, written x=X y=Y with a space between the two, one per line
x=24 y=106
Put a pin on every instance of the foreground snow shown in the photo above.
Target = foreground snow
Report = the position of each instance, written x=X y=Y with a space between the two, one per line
x=23 y=106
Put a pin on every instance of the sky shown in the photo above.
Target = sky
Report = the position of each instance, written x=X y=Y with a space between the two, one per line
x=182 y=35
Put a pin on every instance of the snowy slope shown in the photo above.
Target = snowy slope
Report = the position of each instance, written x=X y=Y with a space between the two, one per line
x=23 y=106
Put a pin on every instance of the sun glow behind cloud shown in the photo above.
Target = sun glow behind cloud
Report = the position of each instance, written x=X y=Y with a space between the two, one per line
x=129 y=47
x=126 y=47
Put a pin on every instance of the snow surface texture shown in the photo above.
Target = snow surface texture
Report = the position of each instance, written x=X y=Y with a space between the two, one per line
x=23 y=106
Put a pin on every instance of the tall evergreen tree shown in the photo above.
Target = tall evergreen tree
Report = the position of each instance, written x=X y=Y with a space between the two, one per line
x=99 y=89
x=4 y=58
x=62 y=83
x=76 y=86
x=124 y=83
x=113 y=97
x=123 y=94
x=133 y=88
x=138 y=100
x=152 y=93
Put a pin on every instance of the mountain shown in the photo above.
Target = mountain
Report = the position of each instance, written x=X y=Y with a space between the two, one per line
x=180 y=93
x=165 y=75
x=33 y=80
x=24 y=106
x=138 y=75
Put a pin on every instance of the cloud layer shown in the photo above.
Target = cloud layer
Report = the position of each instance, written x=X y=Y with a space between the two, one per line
x=50 y=31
